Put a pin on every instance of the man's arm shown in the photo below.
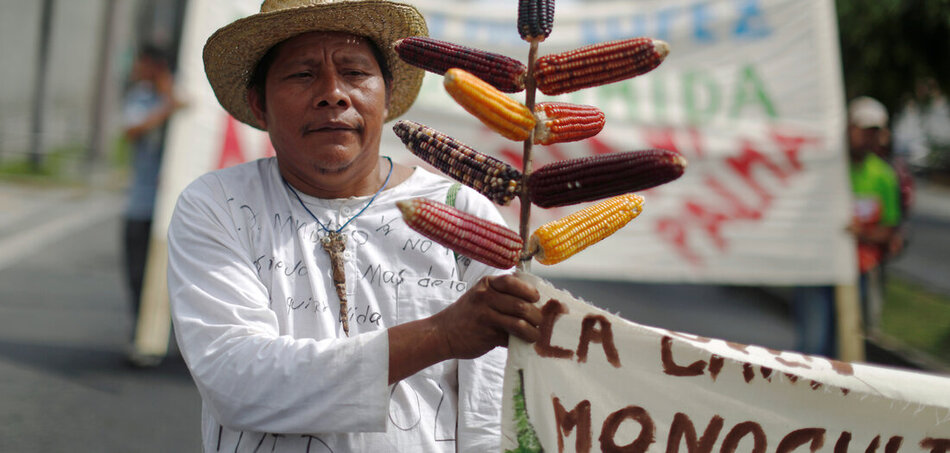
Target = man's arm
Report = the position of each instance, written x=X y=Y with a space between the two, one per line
x=478 y=322
x=157 y=116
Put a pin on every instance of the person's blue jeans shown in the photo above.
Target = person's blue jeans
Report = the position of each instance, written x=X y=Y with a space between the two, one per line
x=814 y=310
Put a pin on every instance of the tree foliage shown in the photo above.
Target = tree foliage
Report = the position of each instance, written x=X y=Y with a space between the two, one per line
x=890 y=47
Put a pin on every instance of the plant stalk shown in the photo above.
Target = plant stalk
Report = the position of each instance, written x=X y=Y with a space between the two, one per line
x=524 y=264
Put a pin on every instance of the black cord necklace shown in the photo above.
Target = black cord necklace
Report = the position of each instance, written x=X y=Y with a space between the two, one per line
x=335 y=244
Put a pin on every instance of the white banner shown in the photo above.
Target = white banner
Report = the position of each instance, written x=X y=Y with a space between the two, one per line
x=750 y=94
x=596 y=382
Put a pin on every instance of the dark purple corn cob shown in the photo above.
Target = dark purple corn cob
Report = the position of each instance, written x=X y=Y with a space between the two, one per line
x=596 y=177
x=491 y=177
x=504 y=73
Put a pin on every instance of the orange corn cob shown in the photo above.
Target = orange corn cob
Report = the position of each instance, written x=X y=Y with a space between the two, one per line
x=560 y=122
x=596 y=177
x=491 y=177
x=499 y=112
x=471 y=236
x=557 y=241
x=598 y=64
x=504 y=73
x=535 y=19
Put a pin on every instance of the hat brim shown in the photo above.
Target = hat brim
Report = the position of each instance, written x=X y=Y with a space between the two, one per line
x=232 y=52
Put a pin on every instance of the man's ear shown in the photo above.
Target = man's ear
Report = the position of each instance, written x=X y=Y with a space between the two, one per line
x=257 y=107
x=389 y=96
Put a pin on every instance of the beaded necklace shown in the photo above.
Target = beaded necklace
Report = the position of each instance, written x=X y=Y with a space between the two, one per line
x=335 y=244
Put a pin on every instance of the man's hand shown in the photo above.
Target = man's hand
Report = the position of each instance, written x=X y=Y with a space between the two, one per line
x=476 y=323
x=485 y=315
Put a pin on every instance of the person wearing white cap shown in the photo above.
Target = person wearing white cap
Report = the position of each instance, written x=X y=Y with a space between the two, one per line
x=877 y=212
x=310 y=316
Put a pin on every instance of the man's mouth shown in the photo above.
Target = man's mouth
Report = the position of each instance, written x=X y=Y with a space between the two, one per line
x=331 y=127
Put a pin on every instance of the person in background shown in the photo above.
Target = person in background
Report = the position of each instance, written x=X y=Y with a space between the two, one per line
x=877 y=200
x=148 y=104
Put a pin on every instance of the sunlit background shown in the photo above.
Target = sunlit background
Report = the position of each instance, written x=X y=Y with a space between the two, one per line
x=65 y=325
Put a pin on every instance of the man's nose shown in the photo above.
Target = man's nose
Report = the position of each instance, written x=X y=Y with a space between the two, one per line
x=329 y=91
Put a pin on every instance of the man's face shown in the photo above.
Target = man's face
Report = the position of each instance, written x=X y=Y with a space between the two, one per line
x=863 y=140
x=324 y=106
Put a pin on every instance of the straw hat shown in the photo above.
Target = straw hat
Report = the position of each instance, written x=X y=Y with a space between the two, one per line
x=232 y=52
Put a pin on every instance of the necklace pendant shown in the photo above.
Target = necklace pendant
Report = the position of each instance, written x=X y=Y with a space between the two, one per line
x=335 y=244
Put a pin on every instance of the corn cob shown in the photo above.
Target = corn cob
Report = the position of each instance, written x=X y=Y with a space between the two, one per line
x=596 y=177
x=471 y=236
x=560 y=122
x=499 y=112
x=598 y=64
x=504 y=73
x=557 y=241
x=491 y=177
x=535 y=19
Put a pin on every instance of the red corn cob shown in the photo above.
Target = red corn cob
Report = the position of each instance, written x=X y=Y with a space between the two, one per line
x=471 y=236
x=598 y=64
x=560 y=122
x=491 y=177
x=593 y=178
x=535 y=19
x=504 y=73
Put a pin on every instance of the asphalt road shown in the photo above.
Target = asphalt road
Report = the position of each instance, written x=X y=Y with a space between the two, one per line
x=65 y=325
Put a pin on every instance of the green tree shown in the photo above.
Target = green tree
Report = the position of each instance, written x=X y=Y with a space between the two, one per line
x=889 y=47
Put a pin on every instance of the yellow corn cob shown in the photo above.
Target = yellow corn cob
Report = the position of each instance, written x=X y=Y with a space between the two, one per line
x=560 y=122
x=557 y=241
x=491 y=177
x=598 y=64
x=471 y=236
x=499 y=112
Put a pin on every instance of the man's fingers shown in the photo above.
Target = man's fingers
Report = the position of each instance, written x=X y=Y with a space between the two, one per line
x=517 y=308
x=511 y=285
x=519 y=328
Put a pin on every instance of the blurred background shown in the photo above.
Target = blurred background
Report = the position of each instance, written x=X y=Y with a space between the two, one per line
x=67 y=365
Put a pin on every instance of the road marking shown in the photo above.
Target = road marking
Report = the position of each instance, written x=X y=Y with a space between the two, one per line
x=22 y=244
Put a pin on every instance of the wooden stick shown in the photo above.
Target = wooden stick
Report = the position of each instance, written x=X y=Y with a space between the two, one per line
x=850 y=325
x=530 y=86
x=153 y=325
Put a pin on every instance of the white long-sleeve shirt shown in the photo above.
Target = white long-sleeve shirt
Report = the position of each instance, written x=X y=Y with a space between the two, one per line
x=256 y=317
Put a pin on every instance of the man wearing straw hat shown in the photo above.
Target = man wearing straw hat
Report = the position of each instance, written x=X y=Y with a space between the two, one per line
x=310 y=316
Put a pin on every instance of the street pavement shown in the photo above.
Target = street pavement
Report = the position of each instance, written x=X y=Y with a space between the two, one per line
x=926 y=258
x=65 y=324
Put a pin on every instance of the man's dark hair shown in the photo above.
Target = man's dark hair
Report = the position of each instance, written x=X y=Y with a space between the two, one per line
x=259 y=76
x=155 y=54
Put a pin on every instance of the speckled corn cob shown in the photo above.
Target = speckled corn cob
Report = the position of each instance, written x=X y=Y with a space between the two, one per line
x=499 y=112
x=596 y=177
x=560 y=122
x=491 y=177
x=504 y=73
x=598 y=64
x=535 y=19
x=471 y=236
x=557 y=241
